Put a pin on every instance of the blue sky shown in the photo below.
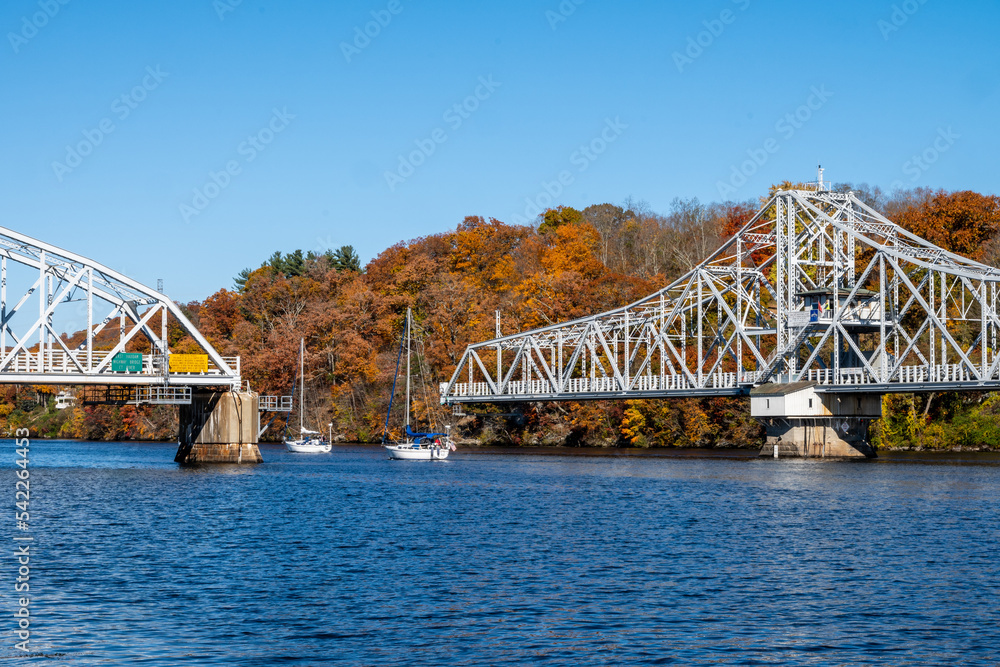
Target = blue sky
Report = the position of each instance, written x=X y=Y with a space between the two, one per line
x=248 y=127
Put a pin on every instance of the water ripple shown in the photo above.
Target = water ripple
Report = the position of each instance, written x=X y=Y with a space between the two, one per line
x=517 y=559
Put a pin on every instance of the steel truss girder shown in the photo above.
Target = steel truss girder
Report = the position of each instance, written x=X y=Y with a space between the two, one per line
x=32 y=349
x=901 y=315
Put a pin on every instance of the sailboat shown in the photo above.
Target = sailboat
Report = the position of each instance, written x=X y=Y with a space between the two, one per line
x=416 y=446
x=308 y=442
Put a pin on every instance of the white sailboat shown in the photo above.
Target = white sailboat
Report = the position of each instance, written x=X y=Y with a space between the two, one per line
x=311 y=445
x=308 y=442
x=415 y=446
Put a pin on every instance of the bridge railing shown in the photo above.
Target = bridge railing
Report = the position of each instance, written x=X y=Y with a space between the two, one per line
x=610 y=387
x=602 y=385
x=275 y=404
x=33 y=362
x=903 y=375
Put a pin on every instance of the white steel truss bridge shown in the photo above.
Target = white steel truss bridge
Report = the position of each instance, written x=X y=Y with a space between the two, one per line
x=817 y=287
x=46 y=291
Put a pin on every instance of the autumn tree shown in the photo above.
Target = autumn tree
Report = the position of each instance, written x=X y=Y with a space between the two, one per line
x=554 y=218
x=961 y=222
x=574 y=264
x=344 y=258
x=607 y=219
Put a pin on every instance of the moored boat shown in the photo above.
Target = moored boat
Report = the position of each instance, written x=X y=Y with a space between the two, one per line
x=422 y=446
x=308 y=442
x=416 y=446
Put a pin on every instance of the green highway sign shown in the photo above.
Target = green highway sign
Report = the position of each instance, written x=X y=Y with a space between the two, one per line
x=127 y=362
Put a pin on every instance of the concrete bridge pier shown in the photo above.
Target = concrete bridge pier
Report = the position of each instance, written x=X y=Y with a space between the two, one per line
x=219 y=427
x=799 y=422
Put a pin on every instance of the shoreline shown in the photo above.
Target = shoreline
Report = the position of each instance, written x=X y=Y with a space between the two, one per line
x=744 y=453
x=895 y=453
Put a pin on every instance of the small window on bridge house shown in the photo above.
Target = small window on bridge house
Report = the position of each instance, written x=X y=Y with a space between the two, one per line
x=810 y=402
x=768 y=401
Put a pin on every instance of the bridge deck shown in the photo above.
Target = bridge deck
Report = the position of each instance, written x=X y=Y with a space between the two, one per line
x=79 y=367
x=905 y=379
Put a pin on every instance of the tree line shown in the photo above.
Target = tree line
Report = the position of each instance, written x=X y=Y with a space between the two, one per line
x=568 y=264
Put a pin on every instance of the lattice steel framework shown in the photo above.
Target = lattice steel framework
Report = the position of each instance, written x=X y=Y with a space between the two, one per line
x=817 y=286
x=87 y=296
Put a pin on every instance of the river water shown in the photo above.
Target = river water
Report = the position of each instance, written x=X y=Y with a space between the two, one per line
x=505 y=558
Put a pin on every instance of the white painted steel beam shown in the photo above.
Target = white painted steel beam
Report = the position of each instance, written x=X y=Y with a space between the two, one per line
x=32 y=348
x=746 y=316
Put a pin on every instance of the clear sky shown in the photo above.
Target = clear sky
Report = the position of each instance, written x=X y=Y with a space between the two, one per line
x=187 y=140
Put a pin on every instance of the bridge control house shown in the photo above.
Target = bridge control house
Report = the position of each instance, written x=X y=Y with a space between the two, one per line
x=861 y=313
x=798 y=421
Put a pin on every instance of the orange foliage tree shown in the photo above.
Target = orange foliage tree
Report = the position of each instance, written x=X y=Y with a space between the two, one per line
x=570 y=265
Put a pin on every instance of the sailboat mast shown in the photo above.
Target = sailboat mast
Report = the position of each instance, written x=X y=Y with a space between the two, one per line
x=409 y=323
x=302 y=387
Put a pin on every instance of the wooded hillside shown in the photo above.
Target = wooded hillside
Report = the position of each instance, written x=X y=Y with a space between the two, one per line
x=569 y=264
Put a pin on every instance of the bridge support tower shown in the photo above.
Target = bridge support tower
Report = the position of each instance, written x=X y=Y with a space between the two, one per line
x=219 y=427
x=800 y=422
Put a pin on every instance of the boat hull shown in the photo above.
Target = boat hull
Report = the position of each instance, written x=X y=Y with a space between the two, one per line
x=307 y=447
x=420 y=453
